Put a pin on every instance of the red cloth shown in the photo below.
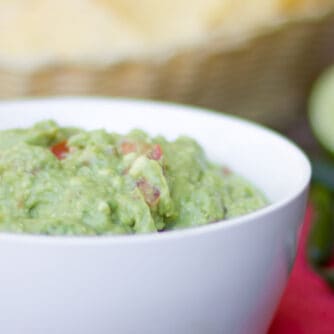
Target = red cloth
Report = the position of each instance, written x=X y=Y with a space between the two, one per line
x=307 y=306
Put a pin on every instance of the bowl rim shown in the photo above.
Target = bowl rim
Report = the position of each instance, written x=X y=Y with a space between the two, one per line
x=166 y=235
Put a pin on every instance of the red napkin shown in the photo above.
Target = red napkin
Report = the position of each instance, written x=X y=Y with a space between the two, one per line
x=307 y=306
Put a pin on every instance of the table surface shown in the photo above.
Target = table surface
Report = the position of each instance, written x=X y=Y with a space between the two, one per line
x=307 y=306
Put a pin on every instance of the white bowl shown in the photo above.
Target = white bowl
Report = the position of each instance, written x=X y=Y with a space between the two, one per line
x=225 y=277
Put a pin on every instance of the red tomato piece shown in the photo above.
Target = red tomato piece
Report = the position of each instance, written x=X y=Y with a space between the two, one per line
x=60 y=150
x=156 y=152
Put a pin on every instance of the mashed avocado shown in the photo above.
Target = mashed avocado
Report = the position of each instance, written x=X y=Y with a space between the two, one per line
x=67 y=181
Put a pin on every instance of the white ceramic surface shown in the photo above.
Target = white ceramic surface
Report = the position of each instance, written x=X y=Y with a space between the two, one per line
x=226 y=277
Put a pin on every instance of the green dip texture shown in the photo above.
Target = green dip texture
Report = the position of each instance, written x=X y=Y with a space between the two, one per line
x=67 y=181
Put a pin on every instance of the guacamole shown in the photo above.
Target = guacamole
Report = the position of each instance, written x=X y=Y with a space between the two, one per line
x=68 y=181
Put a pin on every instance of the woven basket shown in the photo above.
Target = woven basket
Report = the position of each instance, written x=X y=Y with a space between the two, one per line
x=266 y=78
